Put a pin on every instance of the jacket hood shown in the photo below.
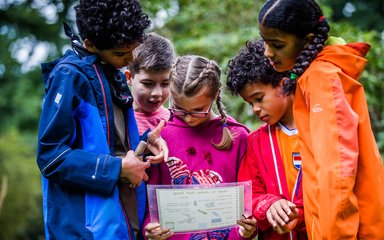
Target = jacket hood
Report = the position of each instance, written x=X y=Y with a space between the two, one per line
x=350 y=58
x=69 y=57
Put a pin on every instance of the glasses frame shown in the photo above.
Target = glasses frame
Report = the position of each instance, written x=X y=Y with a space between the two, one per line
x=181 y=113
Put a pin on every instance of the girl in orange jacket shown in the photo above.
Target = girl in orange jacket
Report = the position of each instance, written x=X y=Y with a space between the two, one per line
x=343 y=176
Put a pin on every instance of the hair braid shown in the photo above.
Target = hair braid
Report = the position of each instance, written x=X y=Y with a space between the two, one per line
x=221 y=108
x=227 y=137
x=305 y=58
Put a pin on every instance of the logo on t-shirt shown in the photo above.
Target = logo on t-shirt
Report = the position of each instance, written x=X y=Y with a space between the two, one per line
x=296 y=160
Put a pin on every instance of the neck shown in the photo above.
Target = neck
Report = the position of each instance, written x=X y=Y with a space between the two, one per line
x=290 y=124
x=287 y=119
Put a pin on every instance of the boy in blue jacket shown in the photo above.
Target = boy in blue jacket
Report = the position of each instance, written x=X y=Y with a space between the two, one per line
x=91 y=177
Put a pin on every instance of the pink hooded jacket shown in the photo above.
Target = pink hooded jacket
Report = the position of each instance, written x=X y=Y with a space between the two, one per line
x=202 y=162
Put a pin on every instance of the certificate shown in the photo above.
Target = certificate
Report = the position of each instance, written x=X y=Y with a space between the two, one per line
x=193 y=208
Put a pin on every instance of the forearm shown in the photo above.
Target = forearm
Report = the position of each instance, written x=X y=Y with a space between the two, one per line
x=84 y=170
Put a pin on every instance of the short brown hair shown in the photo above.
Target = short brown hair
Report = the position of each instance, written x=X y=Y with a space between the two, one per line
x=155 y=54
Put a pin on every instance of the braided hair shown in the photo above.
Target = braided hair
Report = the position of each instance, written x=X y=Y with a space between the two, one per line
x=300 y=18
x=189 y=75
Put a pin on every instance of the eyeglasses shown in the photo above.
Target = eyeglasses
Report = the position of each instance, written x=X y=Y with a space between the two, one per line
x=182 y=113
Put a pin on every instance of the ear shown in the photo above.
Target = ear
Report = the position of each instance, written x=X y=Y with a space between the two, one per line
x=90 y=46
x=279 y=88
x=308 y=39
x=128 y=75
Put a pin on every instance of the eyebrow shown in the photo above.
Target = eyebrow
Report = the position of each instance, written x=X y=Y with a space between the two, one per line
x=121 y=52
x=195 y=109
x=254 y=94
x=270 y=40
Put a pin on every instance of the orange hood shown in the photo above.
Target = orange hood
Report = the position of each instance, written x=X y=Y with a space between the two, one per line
x=350 y=58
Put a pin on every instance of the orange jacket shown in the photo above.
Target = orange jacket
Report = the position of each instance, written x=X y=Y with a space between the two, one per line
x=343 y=174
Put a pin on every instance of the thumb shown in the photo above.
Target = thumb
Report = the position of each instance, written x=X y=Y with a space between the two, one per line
x=129 y=154
x=145 y=177
x=292 y=224
x=291 y=205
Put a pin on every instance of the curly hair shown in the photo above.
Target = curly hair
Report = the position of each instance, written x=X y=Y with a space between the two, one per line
x=297 y=17
x=108 y=24
x=251 y=66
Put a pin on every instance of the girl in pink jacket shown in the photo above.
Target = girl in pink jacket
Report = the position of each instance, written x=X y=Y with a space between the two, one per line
x=204 y=147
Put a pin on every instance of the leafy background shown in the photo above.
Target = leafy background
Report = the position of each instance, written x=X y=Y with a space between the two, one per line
x=31 y=32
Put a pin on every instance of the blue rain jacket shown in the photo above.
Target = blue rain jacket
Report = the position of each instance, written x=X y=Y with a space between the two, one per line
x=75 y=142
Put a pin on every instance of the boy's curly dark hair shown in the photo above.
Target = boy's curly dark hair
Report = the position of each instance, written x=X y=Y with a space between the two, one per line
x=108 y=24
x=251 y=66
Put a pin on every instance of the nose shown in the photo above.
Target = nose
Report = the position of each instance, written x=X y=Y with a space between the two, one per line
x=256 y=109
x=156 y=91
x=188 y=118
x=267 y=52
x=129 y=58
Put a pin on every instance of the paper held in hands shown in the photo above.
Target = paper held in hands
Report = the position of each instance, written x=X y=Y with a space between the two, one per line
x=195 y=208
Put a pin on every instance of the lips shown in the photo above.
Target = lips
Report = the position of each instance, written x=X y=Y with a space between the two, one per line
x=264 y=118
x=273 y=63
x=154 y=103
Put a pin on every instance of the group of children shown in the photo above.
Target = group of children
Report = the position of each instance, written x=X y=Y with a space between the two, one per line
x=314 y=165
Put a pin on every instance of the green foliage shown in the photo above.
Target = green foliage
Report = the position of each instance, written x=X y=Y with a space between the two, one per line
x=367 y=15
x=24 y=26
x=20 y=213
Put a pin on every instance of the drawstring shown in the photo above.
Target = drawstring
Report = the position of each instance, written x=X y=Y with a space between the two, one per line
x=75 y=40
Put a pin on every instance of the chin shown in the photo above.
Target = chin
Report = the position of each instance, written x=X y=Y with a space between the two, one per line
x=192 y=124
x=281 y=69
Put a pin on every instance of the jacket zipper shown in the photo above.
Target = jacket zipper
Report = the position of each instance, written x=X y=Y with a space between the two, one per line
x=108 y=139
x=274 y=159
x=295 y=189
x=105 y=103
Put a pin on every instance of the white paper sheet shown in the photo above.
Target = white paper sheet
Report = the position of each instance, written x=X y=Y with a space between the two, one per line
x=191 y=208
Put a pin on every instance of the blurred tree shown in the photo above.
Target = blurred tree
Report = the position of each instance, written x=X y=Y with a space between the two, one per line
x=21 y=216
x=367 y=15
x=29 y=30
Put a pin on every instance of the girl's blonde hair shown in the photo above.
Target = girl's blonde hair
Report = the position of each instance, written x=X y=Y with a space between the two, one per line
x=189 y=75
